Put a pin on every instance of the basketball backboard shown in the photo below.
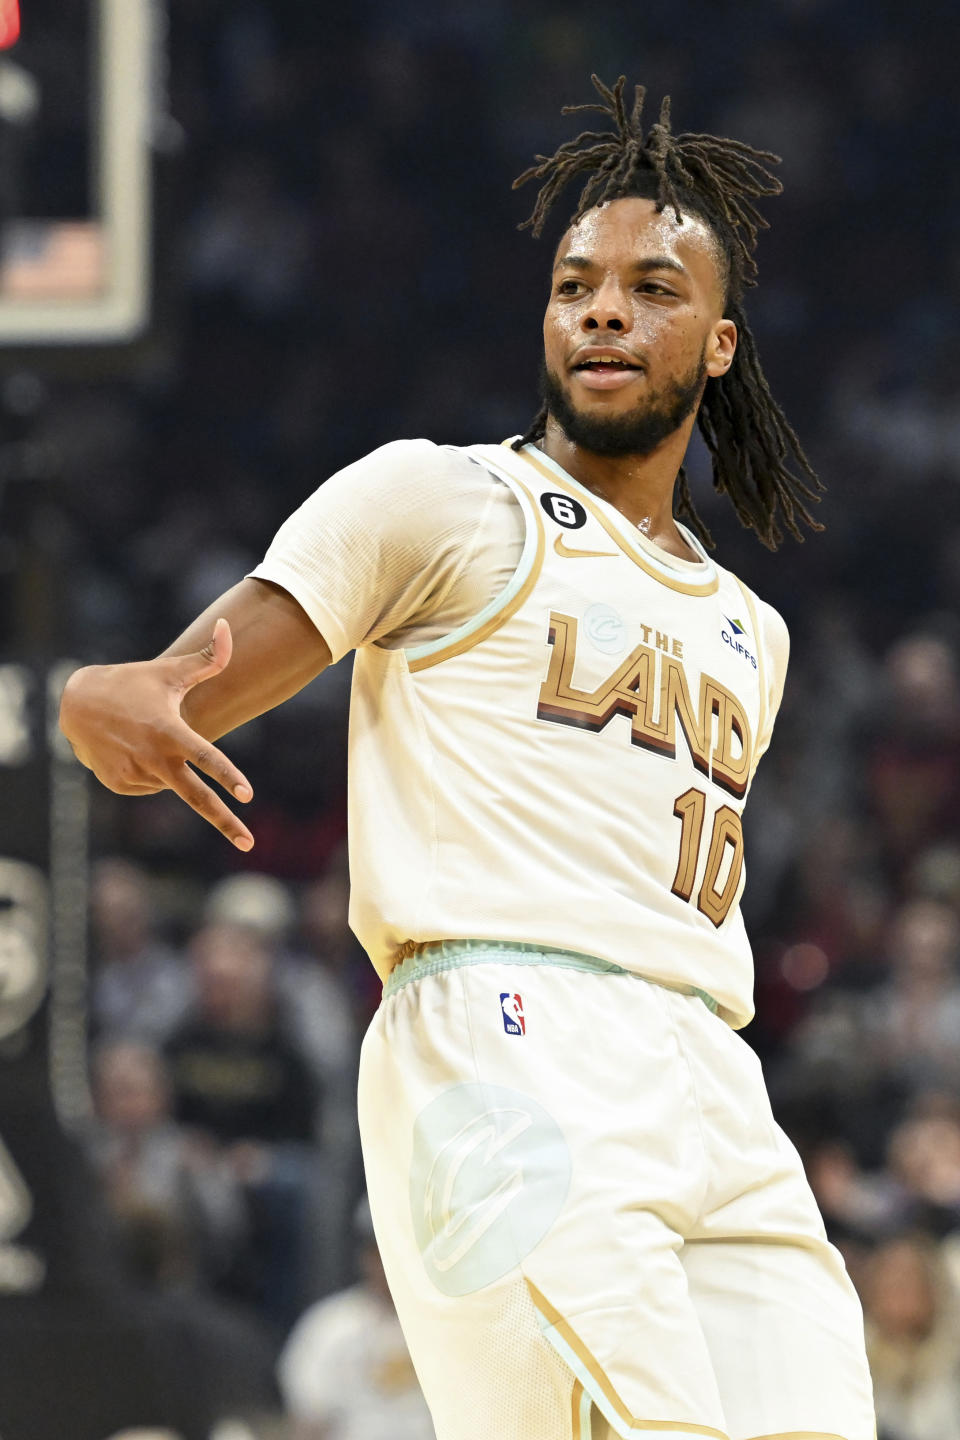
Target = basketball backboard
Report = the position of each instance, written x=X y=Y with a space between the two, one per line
x=75 y=175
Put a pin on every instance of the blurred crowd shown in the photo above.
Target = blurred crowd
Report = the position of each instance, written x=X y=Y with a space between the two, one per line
x=223 y=1134
x=340 y=267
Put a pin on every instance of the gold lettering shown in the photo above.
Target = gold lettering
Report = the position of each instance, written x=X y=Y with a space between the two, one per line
x=678 y=649
x=622 y=694
x=646 y=634
x=663 y=642
x=727 y=831
x=660 y=734
x=689 y=809
x=731 y=770
x=631 y=691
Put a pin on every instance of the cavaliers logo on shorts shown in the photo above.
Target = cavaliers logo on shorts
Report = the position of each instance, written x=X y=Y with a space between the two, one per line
x=489 y=1175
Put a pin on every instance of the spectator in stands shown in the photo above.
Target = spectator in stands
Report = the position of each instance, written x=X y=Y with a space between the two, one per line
x=345 y=1373
x=140 y=986
x=237 y=1072
x=159 y=1181
x=314 y=1007
x=913 y=764
x=858 y=1061
x=331 y=944
x=935 y=875
x=923 y=1156
x=240 y=1080
x=914 y=1020
x=913 y=1341
x=855 y=1204
x=310 y=993
x=146 y=1435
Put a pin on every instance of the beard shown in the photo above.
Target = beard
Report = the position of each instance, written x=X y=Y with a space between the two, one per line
x=641 y=430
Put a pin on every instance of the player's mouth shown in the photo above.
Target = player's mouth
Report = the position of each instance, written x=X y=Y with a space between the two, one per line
x=605 y=368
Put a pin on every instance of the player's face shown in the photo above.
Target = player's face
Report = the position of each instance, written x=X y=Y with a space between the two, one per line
x=646 y=290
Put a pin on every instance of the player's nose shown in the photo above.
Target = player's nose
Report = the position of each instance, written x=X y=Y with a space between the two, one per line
x=608 y=310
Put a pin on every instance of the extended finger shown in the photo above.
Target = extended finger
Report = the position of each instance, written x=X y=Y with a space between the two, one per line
x=191 y=789
x=211 y=761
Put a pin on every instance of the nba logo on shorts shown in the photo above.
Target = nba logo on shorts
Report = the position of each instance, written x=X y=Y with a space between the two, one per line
x=512 y=1007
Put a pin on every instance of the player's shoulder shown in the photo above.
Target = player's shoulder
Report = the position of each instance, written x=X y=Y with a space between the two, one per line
x=773 y=632
x=419 y=456
x=405 y=495
x=403 y=474
x=415 y=451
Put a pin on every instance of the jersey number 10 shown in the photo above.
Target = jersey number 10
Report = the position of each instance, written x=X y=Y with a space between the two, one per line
x=690 y=809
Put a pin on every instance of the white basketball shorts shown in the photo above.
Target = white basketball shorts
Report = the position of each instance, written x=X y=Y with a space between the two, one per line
x=590 y=1222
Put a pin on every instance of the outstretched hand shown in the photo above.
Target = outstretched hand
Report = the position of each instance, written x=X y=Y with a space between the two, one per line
x=124 y=724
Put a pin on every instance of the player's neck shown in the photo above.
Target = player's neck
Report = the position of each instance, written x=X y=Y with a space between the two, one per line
x=639 y=486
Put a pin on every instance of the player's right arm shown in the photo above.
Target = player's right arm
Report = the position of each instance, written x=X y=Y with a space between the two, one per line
x=149 y=725
x=394 y=540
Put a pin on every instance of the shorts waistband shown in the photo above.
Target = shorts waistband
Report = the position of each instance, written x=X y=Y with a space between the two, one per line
x=432 y=957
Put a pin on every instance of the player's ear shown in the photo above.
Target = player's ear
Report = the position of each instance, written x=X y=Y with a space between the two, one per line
x=721 y=347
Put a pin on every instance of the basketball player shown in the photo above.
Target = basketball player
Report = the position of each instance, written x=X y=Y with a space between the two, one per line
x=590 y=1222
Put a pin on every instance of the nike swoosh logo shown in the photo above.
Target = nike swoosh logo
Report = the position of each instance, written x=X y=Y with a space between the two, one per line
x=568 y=554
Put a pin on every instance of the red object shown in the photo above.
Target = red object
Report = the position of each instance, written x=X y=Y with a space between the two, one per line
x=9 y=23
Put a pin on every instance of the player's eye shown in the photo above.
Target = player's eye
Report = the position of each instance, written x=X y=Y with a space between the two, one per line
x=653 y=287
x=569 y=287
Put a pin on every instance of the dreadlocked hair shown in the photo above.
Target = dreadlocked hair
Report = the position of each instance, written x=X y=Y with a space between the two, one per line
x=751 y=443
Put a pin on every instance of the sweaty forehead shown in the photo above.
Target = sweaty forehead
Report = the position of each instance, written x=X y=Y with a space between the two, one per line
x=621 y=232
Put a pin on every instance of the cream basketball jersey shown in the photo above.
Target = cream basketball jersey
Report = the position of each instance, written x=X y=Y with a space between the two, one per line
x=569 y=768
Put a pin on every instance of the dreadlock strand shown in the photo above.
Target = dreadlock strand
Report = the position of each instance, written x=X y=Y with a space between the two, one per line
x=636 y=114
x=558 y=179
x=659 y=147
x=740 y=177
x=660 y=138
x=745 y=428
x=537 y=430
x=787 y=436
x=626 y=167
x=727 y=433
x=623 y=119
x=632 y=170
x=592 y=190
x=614 y=99
x=757 y=158
x=686 y=507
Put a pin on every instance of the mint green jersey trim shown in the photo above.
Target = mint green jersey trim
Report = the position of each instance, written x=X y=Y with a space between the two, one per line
x=441 y=955
x=455 y=954
x=499 y=602
x=586 y=1416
